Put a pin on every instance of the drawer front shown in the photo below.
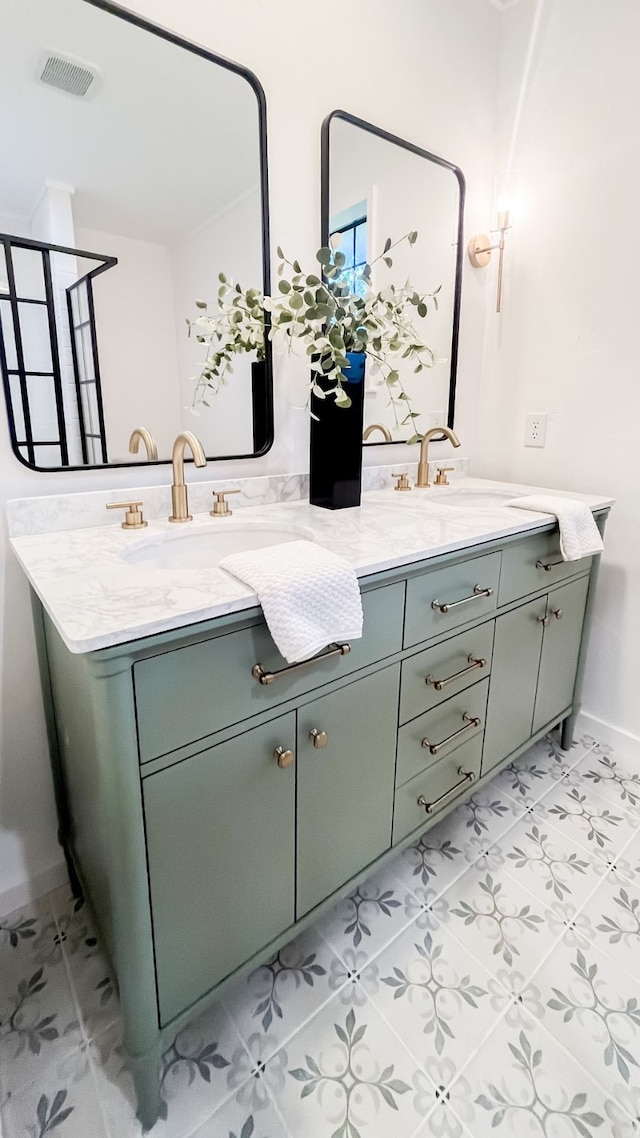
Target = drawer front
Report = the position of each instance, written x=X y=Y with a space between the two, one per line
x=189 y=693
x=465 y=591
x=445 y=729
x=439 y=785
x=523 y=566
x=433 y=676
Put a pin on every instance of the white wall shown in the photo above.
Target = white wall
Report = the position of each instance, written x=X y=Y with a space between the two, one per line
x=427 y=71
x=567 y=340
x=136 y=341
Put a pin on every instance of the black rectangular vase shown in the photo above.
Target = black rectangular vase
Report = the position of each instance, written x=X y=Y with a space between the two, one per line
x=335 y=466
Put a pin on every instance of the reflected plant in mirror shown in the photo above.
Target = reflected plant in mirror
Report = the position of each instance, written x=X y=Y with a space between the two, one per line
x=124 y=196
x=326 y=315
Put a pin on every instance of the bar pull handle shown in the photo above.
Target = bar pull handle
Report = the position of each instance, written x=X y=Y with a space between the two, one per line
x=429 y=807
x=549 y=565
x=264 y=677
x=473 y=664
x=477 y=593
x=470 y=721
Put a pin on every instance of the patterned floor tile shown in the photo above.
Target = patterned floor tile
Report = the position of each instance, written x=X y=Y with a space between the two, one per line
x=587 y=819
x=548 y=864
x=531 y=776
x=499 y=922
x=523 y=1083
x=38 y=1018
x=346 y=1073
x=435 y=995
x=591 y=1009
x=368 y=918
x=617 y=779
x=90 y=973
x=279 y=996
x=614 y=912
x=51 y=1104
x=233 y=1121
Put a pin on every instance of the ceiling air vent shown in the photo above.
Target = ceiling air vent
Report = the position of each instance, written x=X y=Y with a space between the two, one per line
x=73 y=76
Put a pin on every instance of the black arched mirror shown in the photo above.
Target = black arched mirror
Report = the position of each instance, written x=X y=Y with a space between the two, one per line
x=138 y=172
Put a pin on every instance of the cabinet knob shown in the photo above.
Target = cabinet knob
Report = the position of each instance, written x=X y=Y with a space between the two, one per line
x=320 y=738
x=544 y=620
x=284 y=758
x=558 y=613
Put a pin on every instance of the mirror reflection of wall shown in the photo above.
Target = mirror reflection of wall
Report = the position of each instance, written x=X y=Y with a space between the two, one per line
x=142 y=159
x=379 y=189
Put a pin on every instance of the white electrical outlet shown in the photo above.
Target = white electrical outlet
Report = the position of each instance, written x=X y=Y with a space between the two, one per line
x=436 y=419
x=535 y=432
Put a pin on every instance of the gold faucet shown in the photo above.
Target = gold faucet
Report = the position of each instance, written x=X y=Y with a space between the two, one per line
x=179 y=498
x=141 y=434
x=378 y=427
x=423 y=465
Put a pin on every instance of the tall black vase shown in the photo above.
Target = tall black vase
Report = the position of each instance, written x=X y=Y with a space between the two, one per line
x=335 y=466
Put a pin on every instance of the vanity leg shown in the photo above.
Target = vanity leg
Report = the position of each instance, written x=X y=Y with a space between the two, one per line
x=74 y=880
x=566 y=731
x=145 y=1072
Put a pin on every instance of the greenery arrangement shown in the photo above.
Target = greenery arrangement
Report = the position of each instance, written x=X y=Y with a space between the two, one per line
x=325 y=316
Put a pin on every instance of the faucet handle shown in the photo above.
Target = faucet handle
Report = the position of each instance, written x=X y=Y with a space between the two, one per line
x=133 y=517
x=402 y=483
x=441 y=476
x=221 y=506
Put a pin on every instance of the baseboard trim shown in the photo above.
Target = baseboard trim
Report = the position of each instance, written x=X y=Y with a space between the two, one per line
x=27 y=891
x=606 y=733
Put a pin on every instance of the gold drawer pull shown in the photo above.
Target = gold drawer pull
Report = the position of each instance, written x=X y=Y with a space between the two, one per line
x=549 y=565
x=429 y=807
x=546 y=620
x=470 y=721
x=473 y=664
x=477 y=593
x=320 y=738
x=263 y=677
x=284 y=757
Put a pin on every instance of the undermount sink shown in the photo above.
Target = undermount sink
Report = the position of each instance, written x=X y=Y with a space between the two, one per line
x=205 y=547
x=469 y=496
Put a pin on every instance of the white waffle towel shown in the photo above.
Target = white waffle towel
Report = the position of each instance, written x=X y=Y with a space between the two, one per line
x=310 y=597
x=579 y=534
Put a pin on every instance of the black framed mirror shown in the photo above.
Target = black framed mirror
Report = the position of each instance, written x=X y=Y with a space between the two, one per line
x=137 y=172
x=377 y=186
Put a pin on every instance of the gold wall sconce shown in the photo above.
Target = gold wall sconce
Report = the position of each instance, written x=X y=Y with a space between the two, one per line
x=479 y=249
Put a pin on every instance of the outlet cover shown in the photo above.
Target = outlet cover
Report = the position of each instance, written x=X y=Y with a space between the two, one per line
x=535 y=433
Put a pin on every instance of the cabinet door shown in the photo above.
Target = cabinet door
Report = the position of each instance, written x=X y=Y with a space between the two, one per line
x=514 y=676
x=220 y=840
x=345 y=787
x=560 y=651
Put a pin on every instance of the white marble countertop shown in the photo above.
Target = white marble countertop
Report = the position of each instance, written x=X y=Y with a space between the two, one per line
x=96 y=599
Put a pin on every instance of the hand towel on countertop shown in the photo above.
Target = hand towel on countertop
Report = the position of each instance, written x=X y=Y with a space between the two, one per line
x=579 y=534
x=310 y=597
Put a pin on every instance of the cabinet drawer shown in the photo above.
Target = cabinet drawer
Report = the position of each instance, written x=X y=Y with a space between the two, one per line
x=447 y=728
x=432 y=676
x=465 y=591
x=523 y=566
x=441 y=784
x=191 y=692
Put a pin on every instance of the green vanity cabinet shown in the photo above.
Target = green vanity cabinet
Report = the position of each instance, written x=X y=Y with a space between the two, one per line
x=209 y=817
x=346 y=767
x=213 y=823
x=536 y=651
